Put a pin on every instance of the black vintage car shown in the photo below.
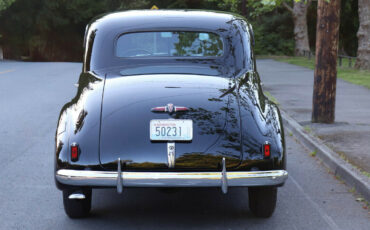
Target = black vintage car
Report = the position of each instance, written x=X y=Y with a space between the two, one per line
x=169 y=99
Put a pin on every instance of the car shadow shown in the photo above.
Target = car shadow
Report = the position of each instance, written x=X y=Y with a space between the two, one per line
x=156 y=208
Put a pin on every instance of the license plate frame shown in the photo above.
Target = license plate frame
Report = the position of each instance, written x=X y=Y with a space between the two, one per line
x=171 y=126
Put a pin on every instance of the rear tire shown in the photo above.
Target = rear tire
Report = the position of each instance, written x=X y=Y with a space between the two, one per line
x=76 y=208
x=262 y=201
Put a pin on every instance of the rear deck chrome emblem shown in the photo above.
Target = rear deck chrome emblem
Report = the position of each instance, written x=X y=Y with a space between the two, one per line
x=169 y=108
x=171 y=154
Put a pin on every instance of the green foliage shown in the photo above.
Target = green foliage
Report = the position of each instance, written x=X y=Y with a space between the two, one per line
x=313 y=153
x=227 y=5
x=5 y=4
x=274 y=33
x=307 y=129
x=272 y=25
x=349 y=24
x=53 y=29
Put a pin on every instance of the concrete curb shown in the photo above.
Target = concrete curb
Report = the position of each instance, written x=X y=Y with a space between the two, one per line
x=341 y=168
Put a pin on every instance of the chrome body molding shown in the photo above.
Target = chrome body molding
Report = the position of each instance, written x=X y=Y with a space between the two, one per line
x=171 y=179
x=224 y=183
x=119 y=178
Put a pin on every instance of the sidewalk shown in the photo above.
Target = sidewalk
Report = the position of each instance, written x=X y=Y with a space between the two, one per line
x=349 y=136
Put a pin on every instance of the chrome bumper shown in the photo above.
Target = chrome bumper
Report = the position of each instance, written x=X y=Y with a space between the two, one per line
x=120 y=179
x=170 y=179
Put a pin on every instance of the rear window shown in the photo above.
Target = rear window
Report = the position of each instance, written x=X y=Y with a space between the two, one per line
x=169 y=44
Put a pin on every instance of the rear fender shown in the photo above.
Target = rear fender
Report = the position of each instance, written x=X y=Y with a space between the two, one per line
x=79 y=122
x=261 y=122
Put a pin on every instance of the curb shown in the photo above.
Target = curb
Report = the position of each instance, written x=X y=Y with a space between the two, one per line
x=341 y=168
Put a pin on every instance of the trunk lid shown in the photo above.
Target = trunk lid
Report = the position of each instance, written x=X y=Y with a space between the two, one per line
x=126 y=114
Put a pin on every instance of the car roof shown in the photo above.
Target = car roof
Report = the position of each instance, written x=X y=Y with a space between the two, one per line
x=210 y=20
x=104 y=30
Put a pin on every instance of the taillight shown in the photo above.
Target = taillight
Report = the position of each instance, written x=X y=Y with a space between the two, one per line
x=74 y=152
x=267 y=150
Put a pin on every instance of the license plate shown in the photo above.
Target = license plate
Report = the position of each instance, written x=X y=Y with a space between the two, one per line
x=171 y=130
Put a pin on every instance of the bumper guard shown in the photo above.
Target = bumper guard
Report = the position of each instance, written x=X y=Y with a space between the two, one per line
x=121 y=179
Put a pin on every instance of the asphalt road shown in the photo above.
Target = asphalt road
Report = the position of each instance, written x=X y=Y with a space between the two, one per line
x=292 y=86
x=31 y=95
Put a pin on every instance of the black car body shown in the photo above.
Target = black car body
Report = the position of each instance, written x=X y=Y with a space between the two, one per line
x=203 y=71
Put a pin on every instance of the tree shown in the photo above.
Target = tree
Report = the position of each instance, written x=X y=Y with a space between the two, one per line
x=363 y=34
x=299 y=13
x=46 y=30
x=349 y=24
x=3 y=5
x=327 y=36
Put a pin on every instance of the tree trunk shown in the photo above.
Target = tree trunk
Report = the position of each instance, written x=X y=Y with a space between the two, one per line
x=299 y=13
x=244 y=8
x=363 y=34
x=1 y=53
x=327 y=36
x=300 y=27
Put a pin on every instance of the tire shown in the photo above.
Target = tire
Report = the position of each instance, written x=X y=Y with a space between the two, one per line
x=76 y=208
x=262 y=201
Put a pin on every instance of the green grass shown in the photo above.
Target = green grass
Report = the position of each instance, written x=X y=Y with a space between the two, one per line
x=270 y=97
x=366 y=173
x=307 y=129
x=355 y=76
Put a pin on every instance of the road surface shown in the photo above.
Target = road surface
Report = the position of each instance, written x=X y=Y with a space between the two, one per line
x=31 y=96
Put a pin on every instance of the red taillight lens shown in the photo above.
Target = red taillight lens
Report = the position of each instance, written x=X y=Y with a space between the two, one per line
x=267 y=150
x=74 y=152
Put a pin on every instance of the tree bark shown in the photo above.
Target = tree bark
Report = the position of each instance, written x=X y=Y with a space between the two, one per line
x=363 y=34
x=244 y=7
x=299 y=13
x=325 y=79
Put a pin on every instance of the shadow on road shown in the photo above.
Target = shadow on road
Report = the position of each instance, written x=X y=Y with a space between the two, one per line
x=155 y=208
